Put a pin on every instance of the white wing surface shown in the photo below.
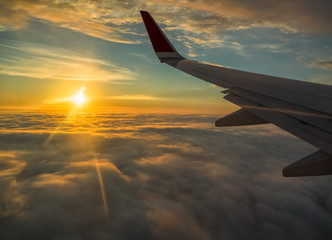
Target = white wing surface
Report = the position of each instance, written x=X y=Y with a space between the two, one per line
x=302 y=108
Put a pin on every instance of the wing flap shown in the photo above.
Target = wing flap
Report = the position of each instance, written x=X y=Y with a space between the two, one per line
x=308 y=133
x=303 y=115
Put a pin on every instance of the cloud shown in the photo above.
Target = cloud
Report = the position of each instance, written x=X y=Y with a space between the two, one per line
x=134 y=97
x=164 y=176
x=202 y=20
x=296 y=15
x=209 y=22
x=272 y=47
x=90 y=17
x=49 y=62
x=322 y=64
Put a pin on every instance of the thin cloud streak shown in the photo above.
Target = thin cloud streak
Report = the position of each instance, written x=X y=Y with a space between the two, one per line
x=322 y=64
x=134 y=97
x=49 y=62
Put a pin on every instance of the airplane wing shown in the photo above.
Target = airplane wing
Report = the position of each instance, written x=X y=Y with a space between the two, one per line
x=302 y=108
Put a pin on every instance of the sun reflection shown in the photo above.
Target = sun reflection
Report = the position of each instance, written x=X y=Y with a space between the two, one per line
x=79 y=98
x=102 y=188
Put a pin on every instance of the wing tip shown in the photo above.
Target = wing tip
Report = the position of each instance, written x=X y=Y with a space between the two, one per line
x=144 y=12
x=159 y=41
x=161 y=45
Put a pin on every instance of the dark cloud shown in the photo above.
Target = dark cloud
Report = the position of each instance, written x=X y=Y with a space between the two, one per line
x=298 y=15
x=164 y=177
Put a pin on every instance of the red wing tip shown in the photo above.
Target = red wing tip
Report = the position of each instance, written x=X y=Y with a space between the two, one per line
x=159 y=41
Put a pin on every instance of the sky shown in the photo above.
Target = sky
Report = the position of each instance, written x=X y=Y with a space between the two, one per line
x=98 y=140
x=51 y=48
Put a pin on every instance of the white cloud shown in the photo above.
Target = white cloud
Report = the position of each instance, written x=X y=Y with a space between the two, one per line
x=134 y=97
x=322 y=64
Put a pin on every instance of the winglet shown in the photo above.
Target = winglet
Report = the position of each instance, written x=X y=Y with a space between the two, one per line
x=317 y=163
x=161 y=45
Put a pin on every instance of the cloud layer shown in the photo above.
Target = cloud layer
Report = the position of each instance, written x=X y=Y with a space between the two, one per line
x=164 y=177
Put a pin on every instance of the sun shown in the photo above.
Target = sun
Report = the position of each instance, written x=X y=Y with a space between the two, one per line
x=79 y=99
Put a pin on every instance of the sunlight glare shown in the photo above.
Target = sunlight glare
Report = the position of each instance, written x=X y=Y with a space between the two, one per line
x=79 y=98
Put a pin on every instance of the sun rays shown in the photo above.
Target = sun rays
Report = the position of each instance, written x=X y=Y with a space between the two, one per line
x=71 y=119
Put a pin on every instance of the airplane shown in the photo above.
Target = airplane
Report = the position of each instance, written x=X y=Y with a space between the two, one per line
x=303 y=109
